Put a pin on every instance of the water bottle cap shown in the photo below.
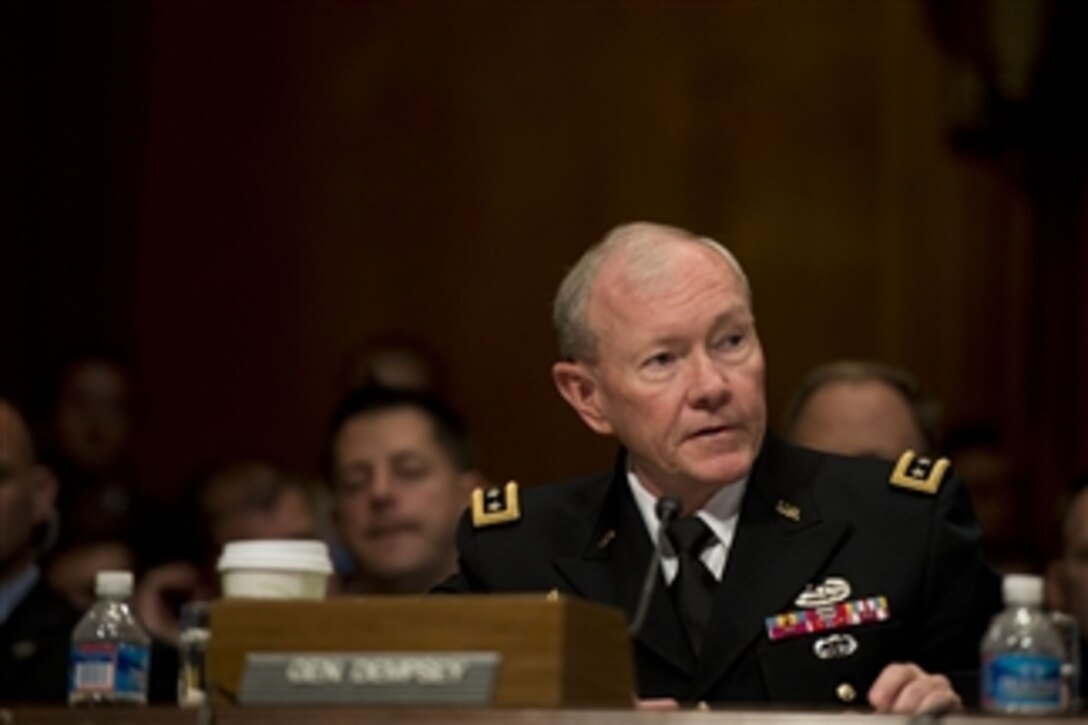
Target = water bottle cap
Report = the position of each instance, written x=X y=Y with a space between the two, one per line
x=113 y=583
x=1023 y=589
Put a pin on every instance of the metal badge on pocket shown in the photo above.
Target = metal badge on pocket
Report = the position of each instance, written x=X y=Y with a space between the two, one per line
x=835 y=647
x=832 y=590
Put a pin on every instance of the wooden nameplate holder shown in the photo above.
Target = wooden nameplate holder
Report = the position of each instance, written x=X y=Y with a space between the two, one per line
x=551 y=651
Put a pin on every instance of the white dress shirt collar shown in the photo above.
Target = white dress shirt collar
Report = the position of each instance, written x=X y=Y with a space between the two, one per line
x=720 y=513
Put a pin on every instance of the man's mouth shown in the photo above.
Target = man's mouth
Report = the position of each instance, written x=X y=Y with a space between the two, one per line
x=712 y=431
x=384 y=531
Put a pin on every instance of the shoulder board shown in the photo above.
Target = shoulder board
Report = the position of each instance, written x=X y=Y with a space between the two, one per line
x=495 y=505
x=919 y=473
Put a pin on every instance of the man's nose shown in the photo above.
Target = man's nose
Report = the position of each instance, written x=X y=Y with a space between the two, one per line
x=381 y=487
x=709 y=388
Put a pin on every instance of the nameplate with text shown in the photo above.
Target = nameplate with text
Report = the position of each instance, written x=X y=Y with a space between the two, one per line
x=369 y=678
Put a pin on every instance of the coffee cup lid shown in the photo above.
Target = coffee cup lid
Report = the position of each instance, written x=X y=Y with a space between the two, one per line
x=281 y=554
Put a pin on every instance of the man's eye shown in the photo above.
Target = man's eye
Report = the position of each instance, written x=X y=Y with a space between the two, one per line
x=731 y=341
x=348 y=486
x=413 y=470
x=661 y=359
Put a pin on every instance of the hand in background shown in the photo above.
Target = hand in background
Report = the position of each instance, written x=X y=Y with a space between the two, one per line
x=160 y=594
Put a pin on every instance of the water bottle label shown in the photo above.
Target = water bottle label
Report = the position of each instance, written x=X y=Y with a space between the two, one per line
x=1023 y=681
x=107 y=667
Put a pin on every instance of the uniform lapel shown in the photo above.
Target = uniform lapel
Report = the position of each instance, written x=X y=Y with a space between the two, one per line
x=661 y=631
x=611 y=568
x=587 y=564
x=781 y=544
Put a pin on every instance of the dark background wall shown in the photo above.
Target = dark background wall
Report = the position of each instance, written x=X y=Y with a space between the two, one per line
x=237 y=194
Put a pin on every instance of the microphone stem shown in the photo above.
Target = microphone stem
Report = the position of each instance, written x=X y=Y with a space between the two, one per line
x=645 y=593
x=666 y=515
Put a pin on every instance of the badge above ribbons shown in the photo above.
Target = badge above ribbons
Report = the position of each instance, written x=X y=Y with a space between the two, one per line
x=832 y=590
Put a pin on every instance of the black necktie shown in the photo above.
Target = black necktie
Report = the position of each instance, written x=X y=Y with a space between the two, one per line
x=693 y=588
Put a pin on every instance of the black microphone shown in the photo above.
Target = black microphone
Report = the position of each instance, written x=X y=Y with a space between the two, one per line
x=667 y=508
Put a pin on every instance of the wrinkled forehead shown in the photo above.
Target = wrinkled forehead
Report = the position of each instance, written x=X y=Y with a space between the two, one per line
x=647 y=256
x=646 y=276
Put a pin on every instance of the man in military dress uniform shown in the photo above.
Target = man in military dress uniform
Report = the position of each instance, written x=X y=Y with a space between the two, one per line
x=793 y=576
x=35 y=622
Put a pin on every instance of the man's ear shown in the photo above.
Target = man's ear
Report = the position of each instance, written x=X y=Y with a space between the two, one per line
x=578 y=385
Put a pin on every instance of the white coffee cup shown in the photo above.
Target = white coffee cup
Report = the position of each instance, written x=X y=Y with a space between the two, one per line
x=275 y=569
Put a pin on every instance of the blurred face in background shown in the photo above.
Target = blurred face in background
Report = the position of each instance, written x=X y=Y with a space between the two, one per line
x=857 y=418
x=27 y=492
x=1067 y=581
x=291 y=516
x=398 y=497
x=92 y=416
x=255 y=500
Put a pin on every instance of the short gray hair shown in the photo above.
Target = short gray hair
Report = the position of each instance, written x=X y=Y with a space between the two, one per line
x=641 y=240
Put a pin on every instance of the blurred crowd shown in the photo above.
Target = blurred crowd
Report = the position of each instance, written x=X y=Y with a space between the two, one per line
x=397 y=470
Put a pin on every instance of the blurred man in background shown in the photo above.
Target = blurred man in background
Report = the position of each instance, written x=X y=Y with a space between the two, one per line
x=1067 y=577
x=401 y=472
x=35 y=622
x=89 y=445
x=107 y=521
x=236 y=501
x=1000 y=493
x=864 y=408
x=861 y=408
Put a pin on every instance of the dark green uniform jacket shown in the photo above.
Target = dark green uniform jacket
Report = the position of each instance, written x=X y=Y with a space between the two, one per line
x=807 y=519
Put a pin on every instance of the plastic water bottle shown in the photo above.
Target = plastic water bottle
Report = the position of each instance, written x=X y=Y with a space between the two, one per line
x=111 y=652
x=1022 y=654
